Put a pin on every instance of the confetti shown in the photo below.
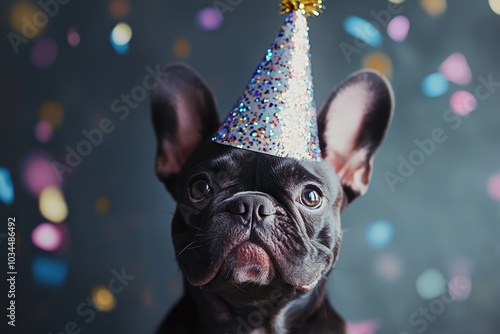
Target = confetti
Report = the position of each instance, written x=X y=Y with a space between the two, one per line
x=494 y=187
x=363 y=30
x=379 y=234
x=434 y=7
x=73 y=37
x=456 y=69
x=44 y=53
x=38 y=174
x=463 y=102
x=103 y=299
x=209 y=18
x=48 y=271
x=398 y=28
x=120 y=38
x=6 y=187
x=495 y=6
x=47 y=237
x=43 y=131
x=380 y=62
x=181 y=48
x=52 y=205
x=435 y=85
x=430 y=284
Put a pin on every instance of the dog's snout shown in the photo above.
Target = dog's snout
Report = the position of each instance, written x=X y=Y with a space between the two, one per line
x=252 y=207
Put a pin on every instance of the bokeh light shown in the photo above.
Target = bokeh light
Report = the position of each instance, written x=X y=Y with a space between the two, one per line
x=73 y=37
x=102 y=205
x=398 y=28
x=52 y=205
x=21 y=20
x=181 y=48
x=363 y=30
x=380 y=62
x=435 y=85
x=463 y=102
x=119 y=8
x=38 y=174
x=456 y=69
x=52 y=112
x=120 y=38
x=47 y=237
x=43 y=131
x=103 y=299
x=388 y=267
x=362 y=327
x=495 y=6
x=434 y=7
x=121 y=34
x=379 y=234
x=209 y=18
x=6 y=187
x=494 y=187
x=430 y=284
x=49 y=271
x=44 y=53
x=460 y=286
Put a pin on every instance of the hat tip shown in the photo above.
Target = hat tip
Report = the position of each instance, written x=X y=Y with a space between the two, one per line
x=306 y=7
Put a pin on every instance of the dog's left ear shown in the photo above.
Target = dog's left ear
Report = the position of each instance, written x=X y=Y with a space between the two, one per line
x=352 y=124
x=184 y=116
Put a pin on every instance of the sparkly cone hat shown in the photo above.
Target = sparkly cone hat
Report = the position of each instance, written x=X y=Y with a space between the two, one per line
x=276 y=114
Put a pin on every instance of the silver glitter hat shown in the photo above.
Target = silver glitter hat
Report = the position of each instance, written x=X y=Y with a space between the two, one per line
x=276 y=114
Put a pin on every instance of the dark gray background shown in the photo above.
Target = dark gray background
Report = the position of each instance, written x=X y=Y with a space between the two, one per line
x=441 y=213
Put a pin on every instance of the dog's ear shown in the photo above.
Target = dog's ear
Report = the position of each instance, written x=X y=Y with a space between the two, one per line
x=351 y=126
x=184 y=116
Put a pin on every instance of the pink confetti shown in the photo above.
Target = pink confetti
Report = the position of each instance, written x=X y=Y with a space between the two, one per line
x=456 y=69
x=362 y=327
x=73 y=37
x=39 y=174
x=463 y=102
x=44 y=53
x=494 y=187
x=398 y=28
x=209 y=18
x=388 y=267
x=43 y=131
x=47 y=237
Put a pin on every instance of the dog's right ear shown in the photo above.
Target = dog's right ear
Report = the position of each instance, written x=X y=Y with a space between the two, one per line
x=184 y=116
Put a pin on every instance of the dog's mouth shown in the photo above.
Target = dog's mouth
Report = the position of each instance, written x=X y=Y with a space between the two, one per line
x=249 y=263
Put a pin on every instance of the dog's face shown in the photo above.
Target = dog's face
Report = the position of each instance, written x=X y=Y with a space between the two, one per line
x=255 y=220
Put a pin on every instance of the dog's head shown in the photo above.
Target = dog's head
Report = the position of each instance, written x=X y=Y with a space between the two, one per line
x=247 y=218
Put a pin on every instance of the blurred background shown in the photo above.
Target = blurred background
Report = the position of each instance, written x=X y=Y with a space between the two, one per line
x=421 y=251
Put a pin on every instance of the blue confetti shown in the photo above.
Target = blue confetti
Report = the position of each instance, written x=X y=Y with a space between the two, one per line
x=6 y=187
x=50 y=272
x=121 y=49
x=379 y=234
x=435 y=85
x=363 y=30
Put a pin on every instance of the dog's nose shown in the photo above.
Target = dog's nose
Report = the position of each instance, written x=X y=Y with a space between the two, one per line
x=252 y=208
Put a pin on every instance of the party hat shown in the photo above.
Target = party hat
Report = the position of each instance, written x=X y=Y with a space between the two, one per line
x=276 y=114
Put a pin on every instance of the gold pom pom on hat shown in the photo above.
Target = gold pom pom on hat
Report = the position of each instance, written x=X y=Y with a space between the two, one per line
x=307 y=7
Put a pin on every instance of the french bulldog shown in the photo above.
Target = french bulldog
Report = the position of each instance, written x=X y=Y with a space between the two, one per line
x=256 y=236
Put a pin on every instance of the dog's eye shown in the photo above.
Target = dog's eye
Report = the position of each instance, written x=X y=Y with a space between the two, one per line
x=311 y=198
x=200 y=190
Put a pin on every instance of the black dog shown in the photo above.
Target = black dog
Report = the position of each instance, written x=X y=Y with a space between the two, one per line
x=256 y=235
